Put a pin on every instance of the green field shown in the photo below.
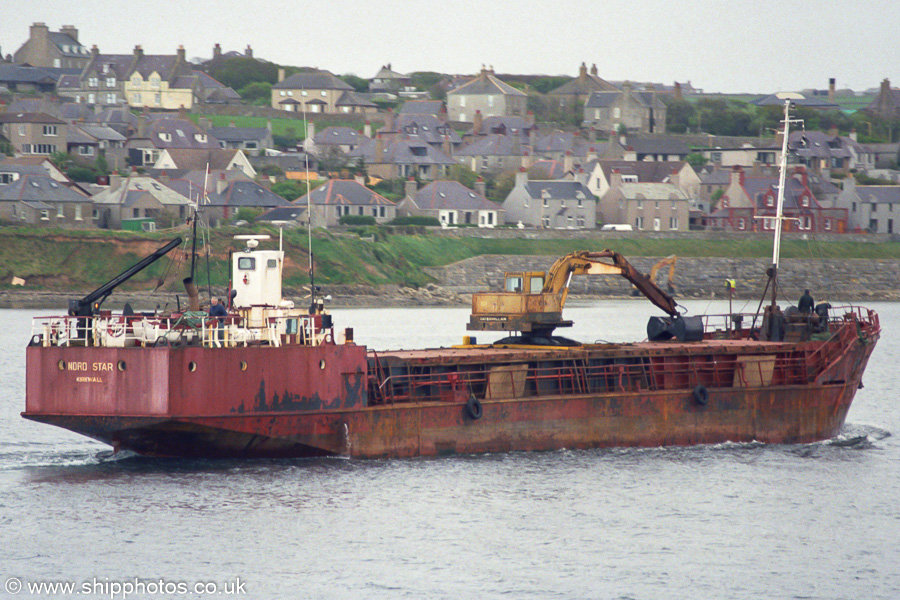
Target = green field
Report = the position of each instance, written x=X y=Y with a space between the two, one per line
x=65 y=260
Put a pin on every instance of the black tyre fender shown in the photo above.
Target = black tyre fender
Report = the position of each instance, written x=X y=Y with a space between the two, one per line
x=161 y=341
x=701 y=395
x=474 y=408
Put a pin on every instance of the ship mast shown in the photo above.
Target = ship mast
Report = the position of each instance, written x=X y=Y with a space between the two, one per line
x=779 y=206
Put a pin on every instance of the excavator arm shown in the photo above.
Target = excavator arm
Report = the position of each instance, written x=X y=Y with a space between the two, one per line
x=519 y=310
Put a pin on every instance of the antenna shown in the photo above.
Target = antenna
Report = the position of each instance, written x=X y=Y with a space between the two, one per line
x=312 y=282
x=779 y=205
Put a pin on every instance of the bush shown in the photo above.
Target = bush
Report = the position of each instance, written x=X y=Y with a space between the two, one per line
x=414 y=220
x=357 y=220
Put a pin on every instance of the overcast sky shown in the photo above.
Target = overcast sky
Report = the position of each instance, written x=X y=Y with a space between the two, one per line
x=758 y=46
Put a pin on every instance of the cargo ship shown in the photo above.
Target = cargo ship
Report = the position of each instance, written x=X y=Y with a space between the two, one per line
x=269 y=379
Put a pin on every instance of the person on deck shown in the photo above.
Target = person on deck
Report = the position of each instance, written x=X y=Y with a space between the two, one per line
x=806 y=304
x=216 y=309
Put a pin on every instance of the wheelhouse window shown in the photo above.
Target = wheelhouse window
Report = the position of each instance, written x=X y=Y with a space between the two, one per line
x=247 y=263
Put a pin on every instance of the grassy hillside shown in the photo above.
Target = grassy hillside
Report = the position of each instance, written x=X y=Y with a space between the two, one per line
x=65 y=260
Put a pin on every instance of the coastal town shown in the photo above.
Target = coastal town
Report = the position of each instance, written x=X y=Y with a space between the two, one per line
x=133 y=141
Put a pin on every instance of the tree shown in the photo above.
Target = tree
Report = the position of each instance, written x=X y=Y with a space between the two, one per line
x=258 y=92
x=695 y=159
x=679 y=115
x=100 y=165
x=357 y=83
x=464 y=175
x=289 y=190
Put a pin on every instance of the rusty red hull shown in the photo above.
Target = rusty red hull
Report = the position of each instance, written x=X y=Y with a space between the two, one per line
x=337 y=400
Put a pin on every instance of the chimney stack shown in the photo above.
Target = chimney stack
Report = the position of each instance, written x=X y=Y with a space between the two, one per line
x=379 y=149
x=594 y=70
x=248 y=52
x=410 y=189
x=180 y=54
x=367 y=129
x=280 y=75
x=582 y=72
x=831 y=90
x=477 y=122
x=521 y=177
x=138 y=52
x=480 y=186
x=221 y=184
x=217 y=52
x=70 y=31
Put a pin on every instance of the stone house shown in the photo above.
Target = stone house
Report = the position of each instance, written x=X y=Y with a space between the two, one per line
x=550 y=204
x=493 y=153
x=200 y=159
x=870 y=208
x=599 y=175
x=317 y=92
x=19 y=78
x=390 y=159
x=451 y=203
x=886 y=104
x=56 y=49
x=229 y=197
x=87 y=142
x=577 y=91
x=139 y=198
x=827 y=153
x=388 y=81
x=647 y=206
x=29 y=195
x=333 y=200
x=488 y=95
x=750 y=204
x=746 y=155
x=251 y=140
x=654 y=148
x=34 y=133
x=633 y=111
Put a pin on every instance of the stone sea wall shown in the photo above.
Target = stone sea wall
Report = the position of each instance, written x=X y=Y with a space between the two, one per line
x=832 y=279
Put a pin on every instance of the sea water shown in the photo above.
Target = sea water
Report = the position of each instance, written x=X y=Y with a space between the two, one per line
x=727 y=521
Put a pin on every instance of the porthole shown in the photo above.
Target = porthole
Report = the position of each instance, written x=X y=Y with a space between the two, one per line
x=322 y=364
x=243 y=365
x=192 y=366
x=61 y=365
x=121 y=365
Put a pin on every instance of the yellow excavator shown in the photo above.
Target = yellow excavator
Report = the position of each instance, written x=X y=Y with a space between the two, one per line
x=532 y=301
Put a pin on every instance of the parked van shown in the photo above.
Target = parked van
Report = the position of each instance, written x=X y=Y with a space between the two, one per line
x=617 y=227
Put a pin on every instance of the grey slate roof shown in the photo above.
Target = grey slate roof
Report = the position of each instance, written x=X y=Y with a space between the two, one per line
x=647 y=171
x=351 y=98
x=402 y=152
x=494 y=144
x=486 y=83
x=11 y=73
x=343 y=192
x=247 y=194
x=238 y=134
x=181 y=132
x=583 y=85
x=451 y=195
x=880 y=194
x=338 y=136
x=20 y=117
x=37 y=187
x=426 y=128
x=557 y=189
x=657 y=145
x=315 y=80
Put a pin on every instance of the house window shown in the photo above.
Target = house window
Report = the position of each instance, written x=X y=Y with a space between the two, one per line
x=596 y=113
x=674 y=205
x=380 y=211
x=60 y=213
x=490 y=100
x=86 y=150
x=93 y=82
x=154 y=81
x=545 y=221
x=806 y=223
x=770 y=201
x=110 y=82
x=462 y=101
x=804 y=201
x=673 y=223
x=50 y=130
x=579 y=221
x=111 y=98
x=283 y=93
x=91 y=98
x=640 y=204
x=827 y=224
x=741 y=224
x=21 y=130
x=657 y=205
x=853 y=207
x=617 y=112
x=715 y=157
x=45 y=215
x=359 y=210
x=135 y=212
x=77 y=212
x=302 y=92
x=157 y=99
x=656 y=224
